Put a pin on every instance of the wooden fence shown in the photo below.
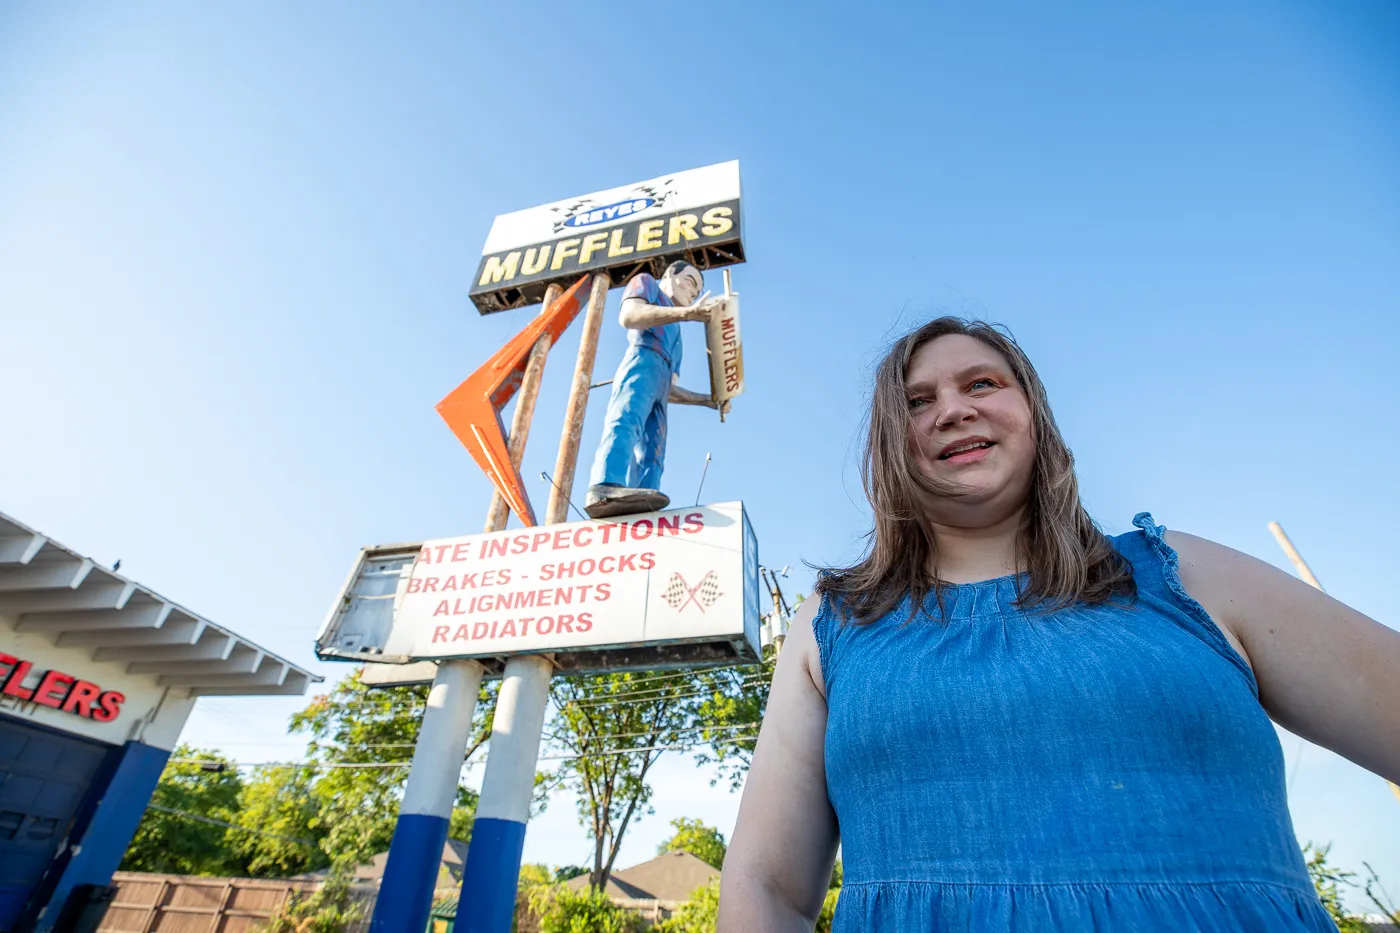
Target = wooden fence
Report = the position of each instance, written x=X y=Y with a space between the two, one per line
x=150 y=903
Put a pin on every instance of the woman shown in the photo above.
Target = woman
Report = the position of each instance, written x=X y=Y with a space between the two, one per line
x=1012 y=722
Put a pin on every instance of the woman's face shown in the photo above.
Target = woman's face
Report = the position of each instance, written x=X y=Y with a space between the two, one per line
x=970 y=429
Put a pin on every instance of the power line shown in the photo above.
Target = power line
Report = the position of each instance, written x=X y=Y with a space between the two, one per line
x=330 y=765
x=208 y=819
x=607 y=699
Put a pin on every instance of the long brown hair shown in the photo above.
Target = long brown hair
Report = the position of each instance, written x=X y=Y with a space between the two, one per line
x=1065 y=556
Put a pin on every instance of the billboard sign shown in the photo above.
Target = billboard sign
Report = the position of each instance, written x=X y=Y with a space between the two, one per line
x=663 y=589
x=693 y=215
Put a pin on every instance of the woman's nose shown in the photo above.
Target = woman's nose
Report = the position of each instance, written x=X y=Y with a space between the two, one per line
x=957 y=411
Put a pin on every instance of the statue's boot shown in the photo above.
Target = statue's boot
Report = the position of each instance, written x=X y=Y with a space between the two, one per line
x=607 y=499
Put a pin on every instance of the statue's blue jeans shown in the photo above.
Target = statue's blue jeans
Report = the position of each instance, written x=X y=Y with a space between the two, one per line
x=632 y=452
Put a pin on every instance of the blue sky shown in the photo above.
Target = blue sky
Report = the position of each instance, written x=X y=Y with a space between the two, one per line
x=236 y=243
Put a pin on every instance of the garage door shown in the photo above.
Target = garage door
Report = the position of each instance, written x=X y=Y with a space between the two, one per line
x=44 y=777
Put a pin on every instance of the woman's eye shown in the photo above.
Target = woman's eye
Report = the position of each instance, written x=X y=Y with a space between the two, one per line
x=916 y=403
x=983 y=384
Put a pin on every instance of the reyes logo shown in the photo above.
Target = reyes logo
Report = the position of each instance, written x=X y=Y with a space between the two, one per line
x=586 y=213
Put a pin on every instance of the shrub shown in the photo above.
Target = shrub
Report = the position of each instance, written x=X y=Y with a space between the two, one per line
x=564 y=910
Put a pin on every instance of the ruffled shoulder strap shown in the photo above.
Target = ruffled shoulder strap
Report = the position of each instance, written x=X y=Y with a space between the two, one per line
x=1157 y=573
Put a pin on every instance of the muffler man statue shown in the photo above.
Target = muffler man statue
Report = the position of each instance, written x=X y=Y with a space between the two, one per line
x=627 y=469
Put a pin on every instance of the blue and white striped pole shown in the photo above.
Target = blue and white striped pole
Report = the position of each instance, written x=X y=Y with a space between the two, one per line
x=415 y=855
x=489 y=879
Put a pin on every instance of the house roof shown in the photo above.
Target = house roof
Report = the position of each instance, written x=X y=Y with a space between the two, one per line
x=48 y=588
x=669 y=877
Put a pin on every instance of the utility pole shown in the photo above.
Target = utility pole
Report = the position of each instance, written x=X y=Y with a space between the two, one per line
x=781 y=612
x=1311 y=580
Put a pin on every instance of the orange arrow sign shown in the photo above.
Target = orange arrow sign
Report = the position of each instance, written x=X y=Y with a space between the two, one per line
x=473 y=409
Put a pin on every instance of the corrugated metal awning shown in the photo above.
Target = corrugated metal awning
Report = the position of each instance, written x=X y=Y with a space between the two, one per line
x=51 y=590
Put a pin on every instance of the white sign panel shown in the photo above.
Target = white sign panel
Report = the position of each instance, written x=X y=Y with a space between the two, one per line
x=655 y=197
x=679 y=576
x=693 y=215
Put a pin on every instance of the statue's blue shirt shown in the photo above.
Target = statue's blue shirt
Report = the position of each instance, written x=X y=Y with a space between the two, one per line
x=664 y=339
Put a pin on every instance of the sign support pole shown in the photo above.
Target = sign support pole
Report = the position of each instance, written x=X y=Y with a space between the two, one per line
x=492 y=871
x=415 y=854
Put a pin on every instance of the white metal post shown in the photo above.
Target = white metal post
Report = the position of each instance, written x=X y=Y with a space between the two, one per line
x=415 y=855
x=487 y=903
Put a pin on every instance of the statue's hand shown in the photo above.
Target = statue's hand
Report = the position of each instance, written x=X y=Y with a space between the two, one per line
x=722 y=407
x=704 y=308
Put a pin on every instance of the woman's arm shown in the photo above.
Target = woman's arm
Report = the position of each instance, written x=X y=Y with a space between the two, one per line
x=779 y=863
x=1326 y=672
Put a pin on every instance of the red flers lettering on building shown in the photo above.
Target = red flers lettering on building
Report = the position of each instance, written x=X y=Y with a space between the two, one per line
x=63 y=692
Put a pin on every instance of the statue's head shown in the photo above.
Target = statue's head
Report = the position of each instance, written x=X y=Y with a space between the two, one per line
x=682 y=283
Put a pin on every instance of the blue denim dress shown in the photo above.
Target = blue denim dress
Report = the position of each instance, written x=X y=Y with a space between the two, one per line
x=1095 y=768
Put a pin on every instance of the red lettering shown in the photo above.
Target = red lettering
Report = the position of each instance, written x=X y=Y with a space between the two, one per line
x=637 y=527
x=108 y=706
x=520 y=544
x=608 y=530
x=585 y=621
x=8 y=660
x=80 y=698
x=468 y=581
x=493 y=628
x=53 y=680
x=425 y=556
x=545 y=625
x=562 y=538
x=494 y=548
x=694 y=523
x=566 y=595
x=508 y=630
x=566 y=624
x=430 y=584
x=441 y=552
x=525 y=624
x=503 y=576
x=604 y=592
x=583 y=536
x=547 y=572
x=461 y=634
x=648 y=560
x=587 y=566
x=457 y=609
x=540 y=539
x=440 y=632
x=564 y=570
x=449 y=583
x=665 y=525
x=14 y=685
x=461 y=552
x=414 y=585
x=479 y=630
x=626 y=562
x=442 y=609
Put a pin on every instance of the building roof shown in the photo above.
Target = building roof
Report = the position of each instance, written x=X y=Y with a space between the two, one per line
x=669 y=877
x=55 y=591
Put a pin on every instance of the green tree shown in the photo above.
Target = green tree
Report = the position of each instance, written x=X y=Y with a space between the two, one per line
x=1326 y=879
x=704 y=842
x=1380 y=897
x=535 y=874
x=282 y=815
x=184 y=829
x=564 y=910
x=733 y=713
x=348 y=812
x=699 y=914
x=614 y=727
